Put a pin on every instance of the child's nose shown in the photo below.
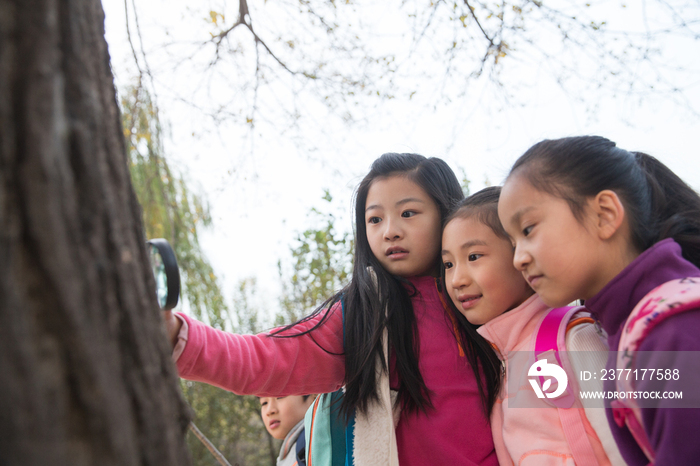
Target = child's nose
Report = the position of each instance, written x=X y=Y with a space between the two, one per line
x=392 y=230
x=520 y=258
x=459 y=278
x=271 y=409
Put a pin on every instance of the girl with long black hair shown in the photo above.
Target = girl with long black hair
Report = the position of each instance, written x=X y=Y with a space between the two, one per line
x=389 y=328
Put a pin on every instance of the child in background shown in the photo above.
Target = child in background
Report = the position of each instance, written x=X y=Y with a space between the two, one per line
x=592 y=221
x=488 y=291
x=284 y=420
x=388 y=329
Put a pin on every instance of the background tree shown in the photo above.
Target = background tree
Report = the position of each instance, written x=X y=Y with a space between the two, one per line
x=261 y=63
x=321 y=264
x=87 y=376
x=328 y=86
x=172 y=211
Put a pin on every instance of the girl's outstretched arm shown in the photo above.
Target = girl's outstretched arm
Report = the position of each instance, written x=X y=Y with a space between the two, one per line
x=264 y=365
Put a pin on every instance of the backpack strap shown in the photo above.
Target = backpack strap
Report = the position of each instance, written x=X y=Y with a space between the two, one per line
x=326 y=431
x=549 y=338
x=664 y=301
x=549 y=342
x=300 y=449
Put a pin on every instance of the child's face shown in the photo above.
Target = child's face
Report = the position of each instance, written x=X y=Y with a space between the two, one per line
x=403 y=226
x=559 y=256
x=479 y=273
x=280 y=414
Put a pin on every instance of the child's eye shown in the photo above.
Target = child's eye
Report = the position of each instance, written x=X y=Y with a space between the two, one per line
x=374 y=220
x=527 y=230
x=447 y=264
x=473 y=257
x=408 y=213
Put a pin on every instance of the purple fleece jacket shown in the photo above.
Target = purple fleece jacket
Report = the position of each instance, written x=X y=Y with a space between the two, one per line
x=671 y=431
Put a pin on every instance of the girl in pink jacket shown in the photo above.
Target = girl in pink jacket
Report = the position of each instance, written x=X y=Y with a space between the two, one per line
x=388 y=329
x=489 y=292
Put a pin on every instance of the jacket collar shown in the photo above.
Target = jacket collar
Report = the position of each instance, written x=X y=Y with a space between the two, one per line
x=506 y=330
x=658 y=264
x=288 y=445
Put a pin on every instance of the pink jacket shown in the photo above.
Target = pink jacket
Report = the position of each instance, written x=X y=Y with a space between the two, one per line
x=456 y=431
x=527 y=435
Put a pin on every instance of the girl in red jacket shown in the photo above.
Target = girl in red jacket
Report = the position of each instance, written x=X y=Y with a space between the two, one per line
x=387 y=329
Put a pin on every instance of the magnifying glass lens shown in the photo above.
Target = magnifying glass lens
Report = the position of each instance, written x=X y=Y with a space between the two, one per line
x=165 y=271
x=160 y=276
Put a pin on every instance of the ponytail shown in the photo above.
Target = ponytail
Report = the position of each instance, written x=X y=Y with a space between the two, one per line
x=675 y=207
x=657 y=202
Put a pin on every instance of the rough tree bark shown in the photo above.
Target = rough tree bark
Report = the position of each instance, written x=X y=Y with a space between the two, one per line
x=85 y=375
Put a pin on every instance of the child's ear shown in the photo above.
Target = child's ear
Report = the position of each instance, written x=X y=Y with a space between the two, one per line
x=610 y=213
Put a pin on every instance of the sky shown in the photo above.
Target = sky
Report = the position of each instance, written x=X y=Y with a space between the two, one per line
x=261 y=188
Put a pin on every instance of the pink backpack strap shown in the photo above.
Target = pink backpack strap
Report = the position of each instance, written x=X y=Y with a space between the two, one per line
x=550 y=339
x=664 y=301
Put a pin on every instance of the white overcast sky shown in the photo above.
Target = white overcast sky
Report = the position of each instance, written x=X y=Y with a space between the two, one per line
x=259 y=197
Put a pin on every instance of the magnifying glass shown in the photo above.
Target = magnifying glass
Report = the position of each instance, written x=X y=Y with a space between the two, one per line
x=166 y=273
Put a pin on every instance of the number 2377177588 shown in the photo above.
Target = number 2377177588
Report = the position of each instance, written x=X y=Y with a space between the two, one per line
x=631 y=374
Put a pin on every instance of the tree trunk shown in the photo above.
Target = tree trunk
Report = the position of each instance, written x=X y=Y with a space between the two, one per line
x=86 y=376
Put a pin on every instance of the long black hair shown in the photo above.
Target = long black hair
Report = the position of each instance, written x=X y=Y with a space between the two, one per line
x=375 y=299
x=659 y=204
x=365 y=318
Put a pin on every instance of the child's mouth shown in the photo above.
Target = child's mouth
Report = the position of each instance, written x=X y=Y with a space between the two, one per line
x=469 y=301
x=396 y=253
x=533 y=280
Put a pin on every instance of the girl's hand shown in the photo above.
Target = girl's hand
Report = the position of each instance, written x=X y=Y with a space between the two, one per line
x=172 y=326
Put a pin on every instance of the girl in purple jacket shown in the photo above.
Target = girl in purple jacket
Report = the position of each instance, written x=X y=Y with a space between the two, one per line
x=594 y=222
